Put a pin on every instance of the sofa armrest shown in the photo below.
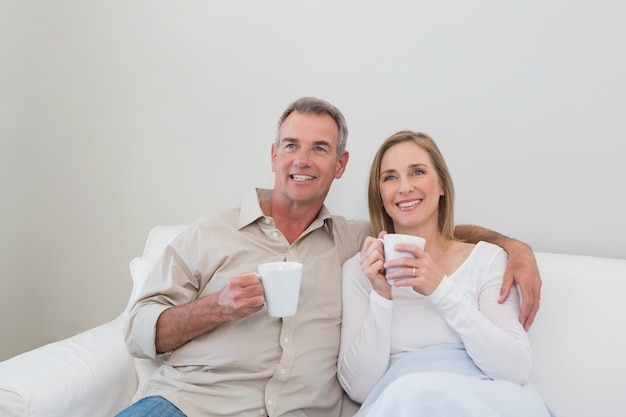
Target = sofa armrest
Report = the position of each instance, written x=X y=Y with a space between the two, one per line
x=90 y=374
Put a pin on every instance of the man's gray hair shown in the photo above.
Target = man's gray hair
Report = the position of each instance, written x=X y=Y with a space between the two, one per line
x=312 y=105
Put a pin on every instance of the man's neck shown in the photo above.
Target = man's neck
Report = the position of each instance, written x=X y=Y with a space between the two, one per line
x=291 y=220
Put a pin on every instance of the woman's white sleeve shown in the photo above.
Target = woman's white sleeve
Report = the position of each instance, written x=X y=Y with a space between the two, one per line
x=365 y=333
x=491 y=332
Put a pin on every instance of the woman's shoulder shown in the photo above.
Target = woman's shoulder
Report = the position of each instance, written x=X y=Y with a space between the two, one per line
x=492 y=249
x=489 y=255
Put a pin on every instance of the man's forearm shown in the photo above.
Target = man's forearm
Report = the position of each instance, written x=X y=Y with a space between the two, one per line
x=178 y=325
x=474 y=234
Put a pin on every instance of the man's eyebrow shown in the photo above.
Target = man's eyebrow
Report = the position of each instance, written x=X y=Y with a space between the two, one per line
x=324 y=143
x=316 y=143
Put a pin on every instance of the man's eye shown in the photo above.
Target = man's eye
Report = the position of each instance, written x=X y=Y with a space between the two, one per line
x=290 y=146
x=320 y=149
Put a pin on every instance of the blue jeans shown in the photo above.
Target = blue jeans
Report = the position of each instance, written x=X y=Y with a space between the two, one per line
x=155 y=406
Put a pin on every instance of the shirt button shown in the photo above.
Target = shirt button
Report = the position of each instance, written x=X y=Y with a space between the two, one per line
x=262 y=412
x=275 y=234
x=269 y=402
x=286 y=340
x=267 y=221
x=283 y=372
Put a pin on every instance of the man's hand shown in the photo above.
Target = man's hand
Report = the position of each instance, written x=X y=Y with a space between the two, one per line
x=241 y=297
x=522 y=270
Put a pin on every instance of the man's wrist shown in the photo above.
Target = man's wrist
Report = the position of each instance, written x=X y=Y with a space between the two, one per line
x=511 y=245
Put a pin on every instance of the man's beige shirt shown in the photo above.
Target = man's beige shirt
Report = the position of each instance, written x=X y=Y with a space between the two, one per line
x=260 y=365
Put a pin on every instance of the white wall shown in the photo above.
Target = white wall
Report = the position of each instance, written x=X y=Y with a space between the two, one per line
x=119 y=115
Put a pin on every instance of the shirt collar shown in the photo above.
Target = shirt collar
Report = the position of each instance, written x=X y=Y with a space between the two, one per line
x=251 y=210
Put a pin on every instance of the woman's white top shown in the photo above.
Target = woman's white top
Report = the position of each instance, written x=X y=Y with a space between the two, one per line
x=463 y=310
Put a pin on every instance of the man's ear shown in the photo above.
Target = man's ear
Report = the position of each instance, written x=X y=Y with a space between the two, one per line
x=273 y=156
x=342 y=162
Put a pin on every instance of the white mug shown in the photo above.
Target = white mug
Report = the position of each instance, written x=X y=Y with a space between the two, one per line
x=281 y=281
x=390 y=241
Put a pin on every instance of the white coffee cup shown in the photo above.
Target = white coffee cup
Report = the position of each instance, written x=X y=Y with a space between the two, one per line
x=390 y=241
x=281 y=281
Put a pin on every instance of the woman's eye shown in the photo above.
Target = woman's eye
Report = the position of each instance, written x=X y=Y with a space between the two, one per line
x=418 y=172
x=389 y=177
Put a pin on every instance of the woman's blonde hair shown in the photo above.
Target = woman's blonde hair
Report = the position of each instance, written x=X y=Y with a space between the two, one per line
x=379 y=218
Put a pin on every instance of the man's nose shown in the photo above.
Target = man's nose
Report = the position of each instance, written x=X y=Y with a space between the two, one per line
x=301 y=158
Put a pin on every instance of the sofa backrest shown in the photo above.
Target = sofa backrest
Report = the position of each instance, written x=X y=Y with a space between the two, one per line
x=579 y=335
x=159 y=237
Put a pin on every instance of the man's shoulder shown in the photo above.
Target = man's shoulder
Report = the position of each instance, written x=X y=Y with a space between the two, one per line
x=341 y=222
x=212 y=222
x=349 y=235
x=214 y=216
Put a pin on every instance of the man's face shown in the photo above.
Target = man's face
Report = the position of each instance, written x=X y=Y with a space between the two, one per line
x=305 y=161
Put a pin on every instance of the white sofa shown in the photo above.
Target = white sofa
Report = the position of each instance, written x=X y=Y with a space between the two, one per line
x=578 y=340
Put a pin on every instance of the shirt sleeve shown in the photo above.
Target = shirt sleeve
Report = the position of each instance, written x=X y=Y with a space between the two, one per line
x=365 y=333
x=170 y=283
x=490 y=331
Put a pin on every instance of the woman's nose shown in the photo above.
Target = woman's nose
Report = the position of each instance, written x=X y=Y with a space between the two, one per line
x=405 y=186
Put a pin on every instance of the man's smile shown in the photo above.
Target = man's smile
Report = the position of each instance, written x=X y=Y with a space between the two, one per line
x=301 y=177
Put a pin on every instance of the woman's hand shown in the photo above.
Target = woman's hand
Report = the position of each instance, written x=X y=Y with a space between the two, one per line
x=372 y=259
x=421 y=273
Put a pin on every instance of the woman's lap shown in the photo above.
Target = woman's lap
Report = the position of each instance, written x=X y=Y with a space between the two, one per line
x=452 y=395
x=444 y=381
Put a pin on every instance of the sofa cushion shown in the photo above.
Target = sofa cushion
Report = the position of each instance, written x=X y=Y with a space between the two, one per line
x=89 y=374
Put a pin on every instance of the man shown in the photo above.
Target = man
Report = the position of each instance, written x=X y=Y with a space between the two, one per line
x=201 y=309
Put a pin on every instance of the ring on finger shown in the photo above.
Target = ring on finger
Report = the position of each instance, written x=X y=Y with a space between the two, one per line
x=413 y=272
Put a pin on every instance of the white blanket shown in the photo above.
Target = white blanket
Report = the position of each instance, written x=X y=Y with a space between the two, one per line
x=442 y=381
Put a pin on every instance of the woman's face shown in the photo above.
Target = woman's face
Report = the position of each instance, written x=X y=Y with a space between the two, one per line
x=409 y=187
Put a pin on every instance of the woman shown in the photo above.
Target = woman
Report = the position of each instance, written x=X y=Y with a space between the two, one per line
x=436 y=342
